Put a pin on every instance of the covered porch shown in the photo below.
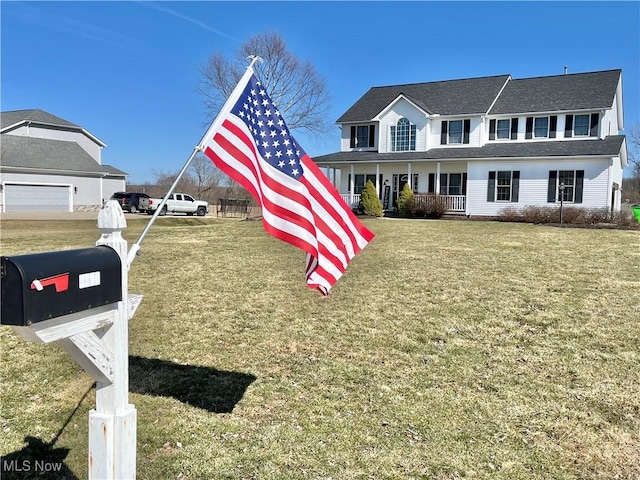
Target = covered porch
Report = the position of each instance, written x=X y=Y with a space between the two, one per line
x=429 y=180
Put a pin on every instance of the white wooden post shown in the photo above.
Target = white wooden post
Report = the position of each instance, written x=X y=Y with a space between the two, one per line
x=112 y=425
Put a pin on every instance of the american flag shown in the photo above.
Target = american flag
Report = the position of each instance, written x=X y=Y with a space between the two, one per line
x=251 y=143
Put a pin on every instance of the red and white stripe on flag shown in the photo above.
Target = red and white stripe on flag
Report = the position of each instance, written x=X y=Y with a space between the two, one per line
x=250 y=142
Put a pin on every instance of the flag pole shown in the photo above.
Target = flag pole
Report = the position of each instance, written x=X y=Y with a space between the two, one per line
x=133 y=251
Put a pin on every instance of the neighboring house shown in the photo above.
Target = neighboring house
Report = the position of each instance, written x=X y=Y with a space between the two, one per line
x=487 y=143
x=50 y=164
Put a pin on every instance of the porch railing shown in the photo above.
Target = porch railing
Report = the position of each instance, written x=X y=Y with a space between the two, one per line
x=453 y=203
x=351 y=200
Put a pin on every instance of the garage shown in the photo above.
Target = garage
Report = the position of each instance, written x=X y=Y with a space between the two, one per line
x=37 y=198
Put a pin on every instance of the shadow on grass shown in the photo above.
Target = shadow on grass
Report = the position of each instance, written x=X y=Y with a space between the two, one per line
x=203 y=387
x=36 y=460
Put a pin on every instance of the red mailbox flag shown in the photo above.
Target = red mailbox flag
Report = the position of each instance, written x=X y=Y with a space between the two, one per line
x=251 y=143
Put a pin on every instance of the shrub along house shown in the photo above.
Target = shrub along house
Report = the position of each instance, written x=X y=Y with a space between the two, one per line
x=483 y=144
x=50 y=164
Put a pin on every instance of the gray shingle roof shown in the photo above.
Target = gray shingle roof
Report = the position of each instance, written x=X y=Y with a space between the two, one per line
x=610 y=146
x=557 y=93
x=47 y=154
x=450 y=97
x=40 y=116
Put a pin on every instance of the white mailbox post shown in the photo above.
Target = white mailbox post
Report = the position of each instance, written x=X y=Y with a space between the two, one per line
x=98 y=339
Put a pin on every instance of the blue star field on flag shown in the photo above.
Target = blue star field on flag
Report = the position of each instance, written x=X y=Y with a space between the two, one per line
x=275 y=144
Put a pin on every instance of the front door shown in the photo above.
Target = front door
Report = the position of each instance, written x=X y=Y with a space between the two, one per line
x=399 y=181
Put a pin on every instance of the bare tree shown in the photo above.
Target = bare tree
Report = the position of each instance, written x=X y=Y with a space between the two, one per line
x=164 y=180
x=633 y=146
x=632 y=183
x=206 y=176
x=295 y=87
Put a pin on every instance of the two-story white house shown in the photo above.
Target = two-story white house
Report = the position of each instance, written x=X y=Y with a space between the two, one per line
x=50 y=164
x=487 y=143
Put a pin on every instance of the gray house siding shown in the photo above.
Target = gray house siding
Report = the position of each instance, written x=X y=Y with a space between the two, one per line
x=47 y=163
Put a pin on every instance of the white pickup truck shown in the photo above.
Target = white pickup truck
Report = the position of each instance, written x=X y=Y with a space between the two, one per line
x=176 y=203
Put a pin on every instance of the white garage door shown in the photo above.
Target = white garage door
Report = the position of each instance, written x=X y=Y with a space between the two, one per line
x=36 y=198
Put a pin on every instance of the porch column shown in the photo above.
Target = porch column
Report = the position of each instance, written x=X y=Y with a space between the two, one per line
x=378 y=179
x=409 y=179
x=352 y=184
x=437 y=192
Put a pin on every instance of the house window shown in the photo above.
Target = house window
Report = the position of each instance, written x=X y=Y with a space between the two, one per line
x=503 y=186
x=567 y=178
x=572 y=180
x=360 y=180
x=455 y=132
x=581 y=125
x=541 y=127
x=403 y=136
x=362 y=136
x=503 y=130
x=451 y=184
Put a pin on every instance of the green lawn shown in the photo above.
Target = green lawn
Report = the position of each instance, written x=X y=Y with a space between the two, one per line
x=450 y=349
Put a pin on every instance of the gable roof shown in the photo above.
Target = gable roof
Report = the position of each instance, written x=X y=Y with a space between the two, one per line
x=46 y=154
x=450 y=97
x=610 y=146
x=13 y=119
x=577 y=91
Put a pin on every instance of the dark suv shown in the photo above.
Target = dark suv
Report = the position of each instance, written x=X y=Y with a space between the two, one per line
x=129 y=200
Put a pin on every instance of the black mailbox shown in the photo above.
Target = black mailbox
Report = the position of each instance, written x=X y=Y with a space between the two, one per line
x=52 y=284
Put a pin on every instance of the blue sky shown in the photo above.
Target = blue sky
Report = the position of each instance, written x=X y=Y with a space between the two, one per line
x=127 y=71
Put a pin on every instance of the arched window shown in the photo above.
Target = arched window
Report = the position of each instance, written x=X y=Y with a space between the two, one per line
x=403 y=136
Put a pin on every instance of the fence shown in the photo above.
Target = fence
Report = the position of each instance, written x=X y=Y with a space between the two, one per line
x=233 y=207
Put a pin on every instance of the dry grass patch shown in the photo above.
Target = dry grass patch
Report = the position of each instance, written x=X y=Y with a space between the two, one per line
x=448 y=350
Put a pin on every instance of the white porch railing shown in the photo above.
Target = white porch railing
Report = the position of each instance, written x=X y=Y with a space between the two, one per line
x=453 y=203
x=352 y=201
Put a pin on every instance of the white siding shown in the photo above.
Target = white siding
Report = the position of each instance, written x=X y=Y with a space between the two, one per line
x=475 y=133
x=403 y=109
x=534 y=177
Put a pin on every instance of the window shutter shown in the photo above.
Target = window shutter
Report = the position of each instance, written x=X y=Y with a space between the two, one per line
x=491 y=187
x=372 y=135
x=464 y=183
x=514 y=129
x=594 y=124
x=515 y=185
x=467 y=131
x=553 y=125
x=529 y=131
x=349 y=183
x=352 y=142
x=443 y=133
x=568 y=126
x=492 y=129
x=432 y=183
x=551 y=189
x=579 y=185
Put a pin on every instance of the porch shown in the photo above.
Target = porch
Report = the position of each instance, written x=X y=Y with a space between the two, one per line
x=453 y=203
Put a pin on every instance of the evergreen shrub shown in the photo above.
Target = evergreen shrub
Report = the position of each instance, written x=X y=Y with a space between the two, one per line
x=370 y=204
x=406 y=201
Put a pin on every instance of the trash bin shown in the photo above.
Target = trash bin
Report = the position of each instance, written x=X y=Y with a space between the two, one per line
x=636 y=212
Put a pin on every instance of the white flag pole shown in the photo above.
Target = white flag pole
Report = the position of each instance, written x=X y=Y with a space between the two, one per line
x=233 y=98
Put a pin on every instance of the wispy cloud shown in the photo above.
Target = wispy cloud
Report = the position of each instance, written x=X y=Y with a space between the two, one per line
x=47 y=18
x=187 y=18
